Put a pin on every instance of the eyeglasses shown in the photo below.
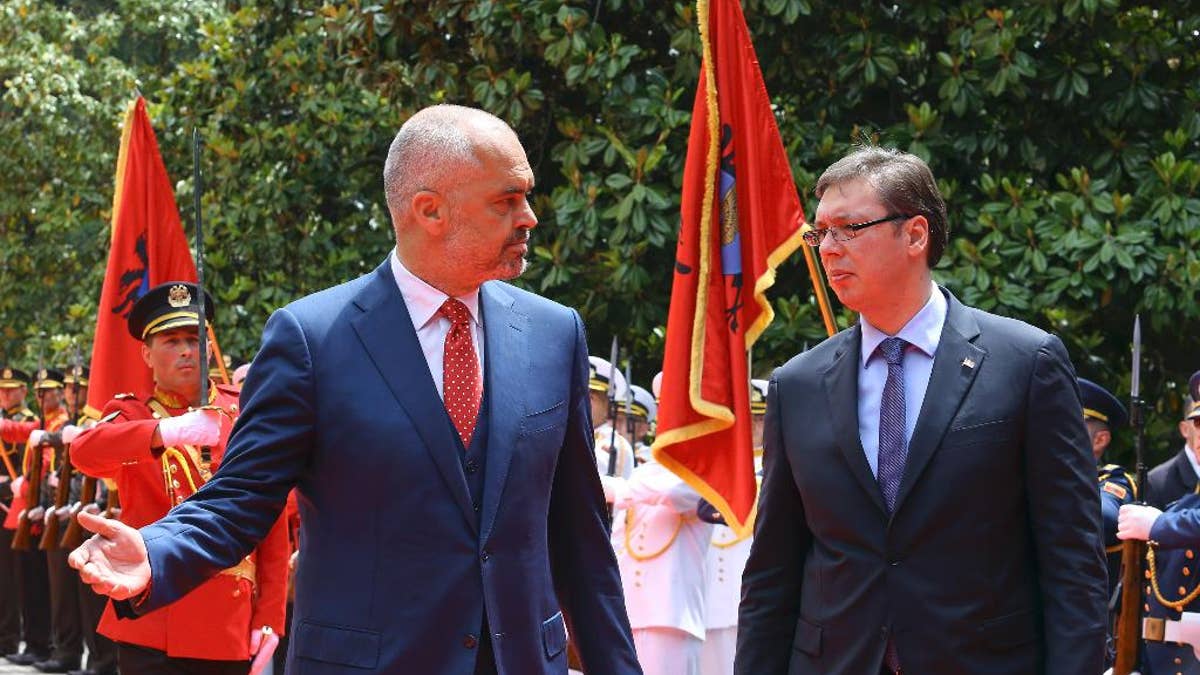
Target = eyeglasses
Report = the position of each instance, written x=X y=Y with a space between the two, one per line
x=814 y=236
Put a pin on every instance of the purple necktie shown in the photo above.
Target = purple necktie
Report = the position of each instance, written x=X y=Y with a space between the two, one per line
x=893 y=447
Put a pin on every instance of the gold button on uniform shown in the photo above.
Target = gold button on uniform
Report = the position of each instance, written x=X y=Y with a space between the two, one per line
x=1182 y=591
x=1187 y=572
x=1188 y=554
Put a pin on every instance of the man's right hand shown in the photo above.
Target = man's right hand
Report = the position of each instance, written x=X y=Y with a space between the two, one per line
x=114 y=561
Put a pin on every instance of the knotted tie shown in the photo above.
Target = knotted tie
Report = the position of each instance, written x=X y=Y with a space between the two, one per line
x=893 y=447
x=462 y=386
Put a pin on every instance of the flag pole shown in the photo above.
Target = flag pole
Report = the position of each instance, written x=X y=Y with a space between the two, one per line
x=818 y=282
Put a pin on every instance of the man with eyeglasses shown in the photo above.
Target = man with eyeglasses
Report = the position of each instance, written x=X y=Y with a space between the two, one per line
x=1177 y=476
x=928 y=502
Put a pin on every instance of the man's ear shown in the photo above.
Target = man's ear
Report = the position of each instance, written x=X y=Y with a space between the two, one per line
x=916 y=232
x=430 y=211
x=146 y=353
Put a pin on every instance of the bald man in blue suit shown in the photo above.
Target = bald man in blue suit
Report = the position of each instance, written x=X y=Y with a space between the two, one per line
x=426 y=547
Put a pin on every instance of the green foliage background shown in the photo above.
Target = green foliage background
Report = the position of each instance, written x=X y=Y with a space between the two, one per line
x=1065 y=136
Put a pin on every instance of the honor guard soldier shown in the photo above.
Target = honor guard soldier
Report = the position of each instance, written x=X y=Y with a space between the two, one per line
x=601 y=376
x=660 y=546
x=1177 y=476
x=160 y=450
x=65 y=628
x=1103 y=413
x=89 y=605
x=28 y=515
x=1171 y=627
x=642 y=410
x=725 y=560
x=14 y=385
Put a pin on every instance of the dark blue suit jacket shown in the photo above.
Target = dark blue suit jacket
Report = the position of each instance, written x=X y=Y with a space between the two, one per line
x=397 y=566
x=992 y=561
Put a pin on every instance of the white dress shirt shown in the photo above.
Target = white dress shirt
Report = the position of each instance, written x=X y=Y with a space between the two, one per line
x=922 y=332
x=423 y=302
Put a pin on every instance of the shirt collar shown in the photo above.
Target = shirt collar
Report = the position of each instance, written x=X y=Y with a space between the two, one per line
x=424 y=301
x=923 y=330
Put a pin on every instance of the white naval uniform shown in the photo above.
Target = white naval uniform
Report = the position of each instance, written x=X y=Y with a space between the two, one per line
x=723 y=591
x=660 y=546
x=724 y=564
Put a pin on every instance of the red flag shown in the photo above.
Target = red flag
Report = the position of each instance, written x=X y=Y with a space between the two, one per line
x=740 y=218
x=148 y=248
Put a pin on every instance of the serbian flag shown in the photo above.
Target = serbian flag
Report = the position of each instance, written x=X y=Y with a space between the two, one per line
x=740 y=218
x=148 y=248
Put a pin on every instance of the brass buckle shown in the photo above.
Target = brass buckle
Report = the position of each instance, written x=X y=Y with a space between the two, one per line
x=1154 y=630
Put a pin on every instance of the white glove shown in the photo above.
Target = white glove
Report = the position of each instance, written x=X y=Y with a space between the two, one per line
x=35 y=438
x=35 y=514
x=198 y=427
x=1134 y=521
x=70 y=433
x=610 y=486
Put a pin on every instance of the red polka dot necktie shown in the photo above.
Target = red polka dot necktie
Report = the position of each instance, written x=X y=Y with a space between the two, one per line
x=462 y=386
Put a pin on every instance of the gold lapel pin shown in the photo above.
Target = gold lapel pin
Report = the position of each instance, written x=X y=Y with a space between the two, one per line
x=968 y=362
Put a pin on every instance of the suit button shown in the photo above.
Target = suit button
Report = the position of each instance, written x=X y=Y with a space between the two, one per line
x=469 y=641
x=472 y=466
x=485 y=556
x=894 y=563
x=475 y=506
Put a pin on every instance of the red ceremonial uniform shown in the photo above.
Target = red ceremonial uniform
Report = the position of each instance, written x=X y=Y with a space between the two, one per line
x=12 y=431
x=213 y=621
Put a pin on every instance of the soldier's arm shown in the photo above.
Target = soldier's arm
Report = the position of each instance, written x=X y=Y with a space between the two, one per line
x=652 y=484
x=118 y=439
x=270 y=607
x=12 y=431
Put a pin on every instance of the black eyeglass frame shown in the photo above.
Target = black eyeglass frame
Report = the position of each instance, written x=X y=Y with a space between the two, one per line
x=814 y=235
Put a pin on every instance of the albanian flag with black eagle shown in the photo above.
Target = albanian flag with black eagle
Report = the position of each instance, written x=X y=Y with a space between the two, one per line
x=740 y=218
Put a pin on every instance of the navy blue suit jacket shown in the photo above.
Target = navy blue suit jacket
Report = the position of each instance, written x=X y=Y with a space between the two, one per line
x=992 y=561
x=397 y=566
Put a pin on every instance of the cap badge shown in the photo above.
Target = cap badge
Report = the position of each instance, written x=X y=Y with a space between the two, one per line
x=179 y=296
x=8 y=373
x=42 y=374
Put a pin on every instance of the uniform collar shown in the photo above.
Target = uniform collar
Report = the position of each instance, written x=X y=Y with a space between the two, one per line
x=173 y=400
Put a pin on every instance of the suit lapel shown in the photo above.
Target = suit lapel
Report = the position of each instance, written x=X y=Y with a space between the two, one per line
x=507 y=364
x=841 y=389
x=387 y=334
x=954 y=368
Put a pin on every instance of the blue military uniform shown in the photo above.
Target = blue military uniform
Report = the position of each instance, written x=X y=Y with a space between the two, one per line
x=1116 y=486
x=1172 y=586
